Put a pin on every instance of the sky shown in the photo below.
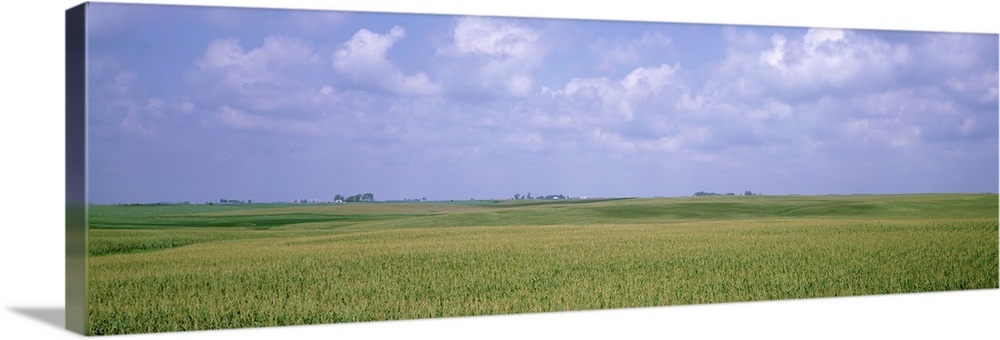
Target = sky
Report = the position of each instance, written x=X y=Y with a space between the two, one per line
x=204 y=103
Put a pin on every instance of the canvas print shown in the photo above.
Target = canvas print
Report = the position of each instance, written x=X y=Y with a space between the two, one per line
x=243 y=167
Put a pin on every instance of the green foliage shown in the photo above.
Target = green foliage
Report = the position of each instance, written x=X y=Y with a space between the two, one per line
x=418 y=260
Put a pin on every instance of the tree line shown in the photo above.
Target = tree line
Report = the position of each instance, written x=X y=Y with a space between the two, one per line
x=366 y=197
x=518 y=196
x=746 y=193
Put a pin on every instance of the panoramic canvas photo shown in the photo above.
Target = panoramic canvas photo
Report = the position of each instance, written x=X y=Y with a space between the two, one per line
x=244 y=167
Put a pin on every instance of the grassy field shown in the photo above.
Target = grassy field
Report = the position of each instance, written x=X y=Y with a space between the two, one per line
x=171 y=268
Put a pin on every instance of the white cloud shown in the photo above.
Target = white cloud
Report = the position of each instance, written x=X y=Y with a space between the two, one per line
x=655 y=109
x=597 y=99
x=265 y=66
x=367 y=49
x=830 y=58
x=812 y=64
x=846 y=89
x=277 y=77
x=493 y=37
x=363 y=60
x=603 y=99
x=646 y=80
x=798 y=93
x=776 y=54
x=979 y=86
x=793 y=95
x=627 y=115
x=814 y=37
x=501 y=54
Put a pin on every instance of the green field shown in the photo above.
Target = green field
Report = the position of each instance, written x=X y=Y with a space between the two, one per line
x=188 y=267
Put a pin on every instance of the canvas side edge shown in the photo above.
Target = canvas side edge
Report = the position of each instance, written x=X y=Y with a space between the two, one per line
x=76 y=162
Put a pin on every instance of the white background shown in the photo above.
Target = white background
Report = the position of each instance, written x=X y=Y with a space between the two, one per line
x=32 y=189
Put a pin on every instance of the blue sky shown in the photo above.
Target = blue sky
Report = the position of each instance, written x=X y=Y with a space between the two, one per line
x=200 y=103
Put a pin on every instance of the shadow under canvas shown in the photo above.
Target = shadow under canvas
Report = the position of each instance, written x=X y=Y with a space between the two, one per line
x=53 y=316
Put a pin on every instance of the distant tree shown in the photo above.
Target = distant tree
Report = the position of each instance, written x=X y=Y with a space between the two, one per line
x=702 y=193
x=338 y=197
x=368 y=197
x=748 y=193
x=517 y=196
